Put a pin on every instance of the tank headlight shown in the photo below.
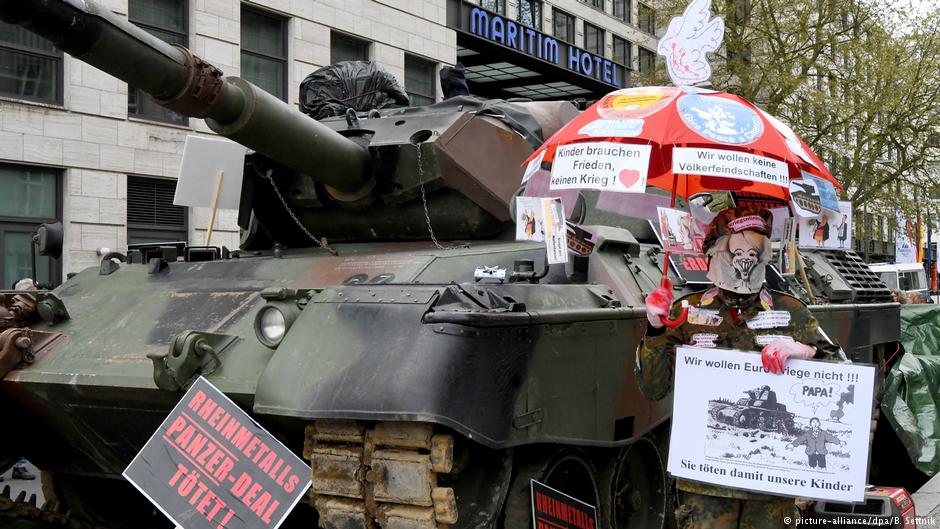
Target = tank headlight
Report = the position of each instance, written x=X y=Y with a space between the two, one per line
x=273 y=321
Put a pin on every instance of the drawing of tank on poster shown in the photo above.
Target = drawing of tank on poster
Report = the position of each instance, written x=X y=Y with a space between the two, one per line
x=802 y=433
x=760 y=429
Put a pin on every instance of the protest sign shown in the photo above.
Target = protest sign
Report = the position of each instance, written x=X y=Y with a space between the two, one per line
x=780 y=217
x=675 y=231
x=729 y=164
x=203 y=159
x=786 y=262
x=691 y=267
x=530 y=219
x=830 y=230
x=603 y=165
x=533 y=167
x=543 y=219
x=556 y=232
x=803 y=433
x=552 y=509
x=828 y=198
x=805 y=198
x=210 y=176
x=210 y=466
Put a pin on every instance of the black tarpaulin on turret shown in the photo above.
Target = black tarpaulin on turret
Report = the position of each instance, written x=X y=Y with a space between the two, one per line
x=359 y=85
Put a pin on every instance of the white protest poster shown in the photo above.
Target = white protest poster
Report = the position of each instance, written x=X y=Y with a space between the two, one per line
x=675 y=231
x=803 y=433
x=603 y=165
x=204 y=158
x=530 y=219
x=830 y=230
x=556 y=231
x=729 y=164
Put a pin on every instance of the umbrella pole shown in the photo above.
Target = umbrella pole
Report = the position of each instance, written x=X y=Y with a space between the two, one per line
x=665 y=283
x=672 y=204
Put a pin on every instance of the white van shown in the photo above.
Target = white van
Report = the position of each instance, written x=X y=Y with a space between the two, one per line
x=909 y=277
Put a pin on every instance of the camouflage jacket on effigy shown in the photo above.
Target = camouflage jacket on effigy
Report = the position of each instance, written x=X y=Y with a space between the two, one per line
x=718 y=320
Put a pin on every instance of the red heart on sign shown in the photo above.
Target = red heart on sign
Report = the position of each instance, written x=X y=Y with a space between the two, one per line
x=629 y=177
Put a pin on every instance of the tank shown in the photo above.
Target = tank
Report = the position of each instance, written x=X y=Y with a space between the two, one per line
x=378 y=318
x=759 y=409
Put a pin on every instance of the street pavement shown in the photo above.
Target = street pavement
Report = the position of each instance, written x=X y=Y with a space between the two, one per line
x=17 y=485
x=927 y=503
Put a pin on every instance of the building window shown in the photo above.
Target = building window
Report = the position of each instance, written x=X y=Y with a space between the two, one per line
x=30 y=66
x=151 y=215
x=596 y=4
x=264 y=51
x=166 y=20
x=593 y=39
x=563 y=25
x=496 y=6
x=622 y=10
x=646 y=19
x=30 y=197
x=623 y=52
x=419 y=80
x=346 y=48
x=647 y=60
x=530 y=13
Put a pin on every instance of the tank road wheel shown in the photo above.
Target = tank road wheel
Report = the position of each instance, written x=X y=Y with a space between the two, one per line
x=633 y=486
x=568 y=470
x=741 y=420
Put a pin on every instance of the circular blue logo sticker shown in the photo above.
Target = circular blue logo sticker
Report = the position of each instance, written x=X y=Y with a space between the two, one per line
x=719 y=119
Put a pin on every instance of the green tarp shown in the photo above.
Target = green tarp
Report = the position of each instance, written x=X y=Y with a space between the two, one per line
x=911 y=400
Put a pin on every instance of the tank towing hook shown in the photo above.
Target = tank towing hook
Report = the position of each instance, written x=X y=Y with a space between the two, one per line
x=190 y=355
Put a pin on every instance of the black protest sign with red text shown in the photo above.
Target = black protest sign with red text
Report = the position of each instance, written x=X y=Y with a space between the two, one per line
x=210 y=466
x=552 y=509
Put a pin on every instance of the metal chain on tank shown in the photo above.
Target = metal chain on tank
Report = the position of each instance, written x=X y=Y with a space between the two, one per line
x=427 y=214
x=319 y=242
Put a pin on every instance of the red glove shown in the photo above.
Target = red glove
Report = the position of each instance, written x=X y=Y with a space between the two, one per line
x=776 y=353
x=658 y=303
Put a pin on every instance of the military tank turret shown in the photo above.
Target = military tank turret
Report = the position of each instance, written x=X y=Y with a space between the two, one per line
x=759 y=409
x=379 y=318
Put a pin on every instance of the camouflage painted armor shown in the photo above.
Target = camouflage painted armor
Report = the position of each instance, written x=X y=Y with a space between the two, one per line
x=721 y=319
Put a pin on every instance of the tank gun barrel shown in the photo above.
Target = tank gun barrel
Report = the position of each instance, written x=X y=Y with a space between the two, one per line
x=186 y=84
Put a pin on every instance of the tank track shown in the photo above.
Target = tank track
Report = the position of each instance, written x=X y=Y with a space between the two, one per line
x=50 y=515
x=380 y=476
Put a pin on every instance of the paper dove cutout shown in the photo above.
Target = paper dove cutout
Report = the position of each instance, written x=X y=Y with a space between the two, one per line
x=688 y=38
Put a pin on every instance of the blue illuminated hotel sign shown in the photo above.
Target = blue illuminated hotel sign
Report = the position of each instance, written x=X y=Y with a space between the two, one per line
x=511 y=34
